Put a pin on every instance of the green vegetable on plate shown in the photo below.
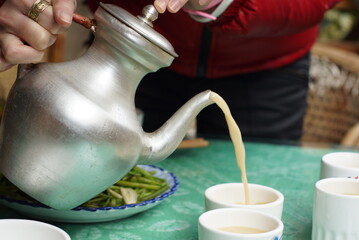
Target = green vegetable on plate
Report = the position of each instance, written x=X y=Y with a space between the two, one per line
x=136 y=186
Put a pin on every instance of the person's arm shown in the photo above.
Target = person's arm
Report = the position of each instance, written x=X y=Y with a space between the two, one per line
x=273 y=17
x=23 y=40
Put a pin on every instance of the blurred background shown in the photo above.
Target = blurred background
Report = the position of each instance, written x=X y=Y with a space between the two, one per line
x=333 y=101
x=340 y=27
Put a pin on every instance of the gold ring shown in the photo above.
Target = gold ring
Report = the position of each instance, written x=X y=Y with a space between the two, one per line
x=37 y=8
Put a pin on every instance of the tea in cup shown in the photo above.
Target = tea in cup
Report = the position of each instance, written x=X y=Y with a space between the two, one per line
x=340 y=164
x=231 y=195
x=336 y=209
x=238 y=224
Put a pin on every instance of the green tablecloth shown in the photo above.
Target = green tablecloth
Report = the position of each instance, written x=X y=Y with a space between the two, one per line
x=293 y=170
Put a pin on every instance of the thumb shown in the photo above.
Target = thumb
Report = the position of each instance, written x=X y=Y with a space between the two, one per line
x=63 y=11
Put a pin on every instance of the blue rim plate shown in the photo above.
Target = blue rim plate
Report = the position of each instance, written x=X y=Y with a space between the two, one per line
x=90 y=215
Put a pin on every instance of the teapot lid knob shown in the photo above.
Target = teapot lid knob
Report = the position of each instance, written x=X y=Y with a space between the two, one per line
x=141 y=24
x=149 y=14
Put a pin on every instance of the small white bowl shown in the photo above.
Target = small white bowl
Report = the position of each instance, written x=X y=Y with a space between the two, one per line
x=340 y=164
x=211 y=222
x=21 y=229
x=335 y=209
x=230 y=195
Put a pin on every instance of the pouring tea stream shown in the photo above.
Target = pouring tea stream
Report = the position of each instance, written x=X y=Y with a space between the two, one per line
x=70 y=129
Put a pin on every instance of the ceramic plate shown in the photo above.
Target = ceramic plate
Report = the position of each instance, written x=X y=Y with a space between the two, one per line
x=88 y=215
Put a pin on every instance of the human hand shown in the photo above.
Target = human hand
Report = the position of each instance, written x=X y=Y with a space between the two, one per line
x=23 y=40
x=174 y=6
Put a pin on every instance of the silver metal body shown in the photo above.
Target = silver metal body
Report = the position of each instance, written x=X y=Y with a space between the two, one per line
x=70 y=130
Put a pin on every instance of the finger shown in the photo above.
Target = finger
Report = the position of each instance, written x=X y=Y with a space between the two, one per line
x=21 y=6
x=47 y=20
x=36 y=36
x=63 y=11
x=3 y=64
x=26 y=29
x=14 y=51
x=175 y=5
x=161 y=5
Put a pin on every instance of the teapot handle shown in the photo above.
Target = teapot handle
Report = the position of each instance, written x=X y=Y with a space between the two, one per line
x=84 y=21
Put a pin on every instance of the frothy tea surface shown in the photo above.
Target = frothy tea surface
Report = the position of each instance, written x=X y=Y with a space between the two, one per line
x=350 y=194
x=254 y=203
x=241 y=229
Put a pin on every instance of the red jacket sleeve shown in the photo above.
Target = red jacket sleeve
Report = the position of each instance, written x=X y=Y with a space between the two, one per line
x=273 y=17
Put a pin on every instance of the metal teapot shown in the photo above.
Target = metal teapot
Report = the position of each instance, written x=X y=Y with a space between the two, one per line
x=70 y=129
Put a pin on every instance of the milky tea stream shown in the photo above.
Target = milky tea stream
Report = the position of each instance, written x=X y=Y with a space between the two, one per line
x=236 y=137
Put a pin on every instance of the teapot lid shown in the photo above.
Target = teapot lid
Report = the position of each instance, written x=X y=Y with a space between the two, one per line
x=142 y=25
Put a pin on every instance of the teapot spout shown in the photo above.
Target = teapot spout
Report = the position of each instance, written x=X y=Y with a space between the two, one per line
x=159 y=144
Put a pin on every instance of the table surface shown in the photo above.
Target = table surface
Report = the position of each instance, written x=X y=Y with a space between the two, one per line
x=293 y=170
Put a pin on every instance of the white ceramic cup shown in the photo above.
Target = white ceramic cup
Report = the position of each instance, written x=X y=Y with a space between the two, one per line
x=230 y=195
x=340 y=164
x=211 y=222
x=336 y=209
x=21 y=229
